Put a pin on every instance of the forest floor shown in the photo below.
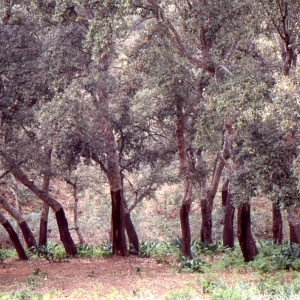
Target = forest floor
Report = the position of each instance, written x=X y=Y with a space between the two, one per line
x=112 y=278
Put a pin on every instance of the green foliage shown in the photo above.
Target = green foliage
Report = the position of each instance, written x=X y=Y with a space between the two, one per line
x=7 y=253
x=206 y=249
x=102 y=251
x=187 y=265
x=277 y=257
x=146 y=247
x=230 y=259
x=183 y=294
x=36 y=278
x=51 y=251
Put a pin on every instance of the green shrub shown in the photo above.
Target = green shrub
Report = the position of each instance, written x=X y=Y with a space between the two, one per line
x=51 y=251
x=188 y=265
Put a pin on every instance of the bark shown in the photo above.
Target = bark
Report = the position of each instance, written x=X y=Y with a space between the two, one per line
x=14 y=237
x=118 y=228
x=62 y=223
x=75 y=210
x=294 y=224
x=186 y=232
x=187 y=183
x=27 y=233
x=132 y=235
x=206 y=227
x=245 y=237
x=111 y=167
x=45 y=207
x=65 y=233
x=228 y=232
x=277 y=225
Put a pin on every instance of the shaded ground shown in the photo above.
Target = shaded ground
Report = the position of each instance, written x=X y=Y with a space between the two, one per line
x=112 y=278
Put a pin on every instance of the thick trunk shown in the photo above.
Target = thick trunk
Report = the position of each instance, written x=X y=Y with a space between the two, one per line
x=64 y=232
x=206 y=226
x=277 y=225
x=294 y=224
x=27 y=233
x=245 y=237
x=118 y=228
x=132 y=235
x=14 y=237
x=185 y=230
x=228 y=232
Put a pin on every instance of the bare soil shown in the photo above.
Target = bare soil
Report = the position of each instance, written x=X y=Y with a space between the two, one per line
x=112 y=278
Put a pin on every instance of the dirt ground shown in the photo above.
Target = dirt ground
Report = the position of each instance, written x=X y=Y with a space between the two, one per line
x=113 y=278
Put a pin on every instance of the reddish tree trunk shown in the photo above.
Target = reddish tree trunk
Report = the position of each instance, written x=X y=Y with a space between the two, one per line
x=28 y=235
x=185 y=230
x=64 y=232
x=118 y=228
x=277 y=225
x=245 y=237
x=206 y=227
x=228 y=233
x=132 y=235
x=14 y=237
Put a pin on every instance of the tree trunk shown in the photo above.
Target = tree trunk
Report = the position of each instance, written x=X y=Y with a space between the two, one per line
x=187 y=183
x=294 y=224
x=186 y=231
x=43 y=234
x=132 y=235
x=14 y=237
x=277 y=225
x=245 y=237
x=228 y=233
x=206 y=226
x=62 y=222
x=118 y=228
x=27 y=233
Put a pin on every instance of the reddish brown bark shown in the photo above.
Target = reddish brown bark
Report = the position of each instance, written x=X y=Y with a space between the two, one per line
x=228 y=232
x=186 y=231
x=206 y=227
x=277 y=225
x=245 y=237
x=132 y=235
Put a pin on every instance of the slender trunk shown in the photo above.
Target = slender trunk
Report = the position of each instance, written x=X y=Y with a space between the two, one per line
x=228 y=233
x=245 y=237
x=118 y=228
x=75 y=210
x=187 y=183
x=277 y=225
x=132 y=235
x=186 y=232
x=14 y=237
x=45 y=207
x=62 y=223
x=27 y=233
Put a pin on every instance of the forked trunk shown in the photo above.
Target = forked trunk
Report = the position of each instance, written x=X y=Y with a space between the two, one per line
x=14 y=237
x=118 y=229
x=245 y=237
x=228 y=232
x=27 y=233
x=277 y=225
x=185 y=230
x=132 y=235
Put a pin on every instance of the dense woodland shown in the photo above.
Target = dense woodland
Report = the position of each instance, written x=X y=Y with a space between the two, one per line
x=201 y=93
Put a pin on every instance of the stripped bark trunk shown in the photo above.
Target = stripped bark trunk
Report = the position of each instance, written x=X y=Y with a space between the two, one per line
x=294 y=224
x=245 y=237
x=14 y=237
x=62 y=222
x=112 y=171
x=43 y=234
x=27 y=233
x=228 y=233
x=277 y=225
x=187 y=183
